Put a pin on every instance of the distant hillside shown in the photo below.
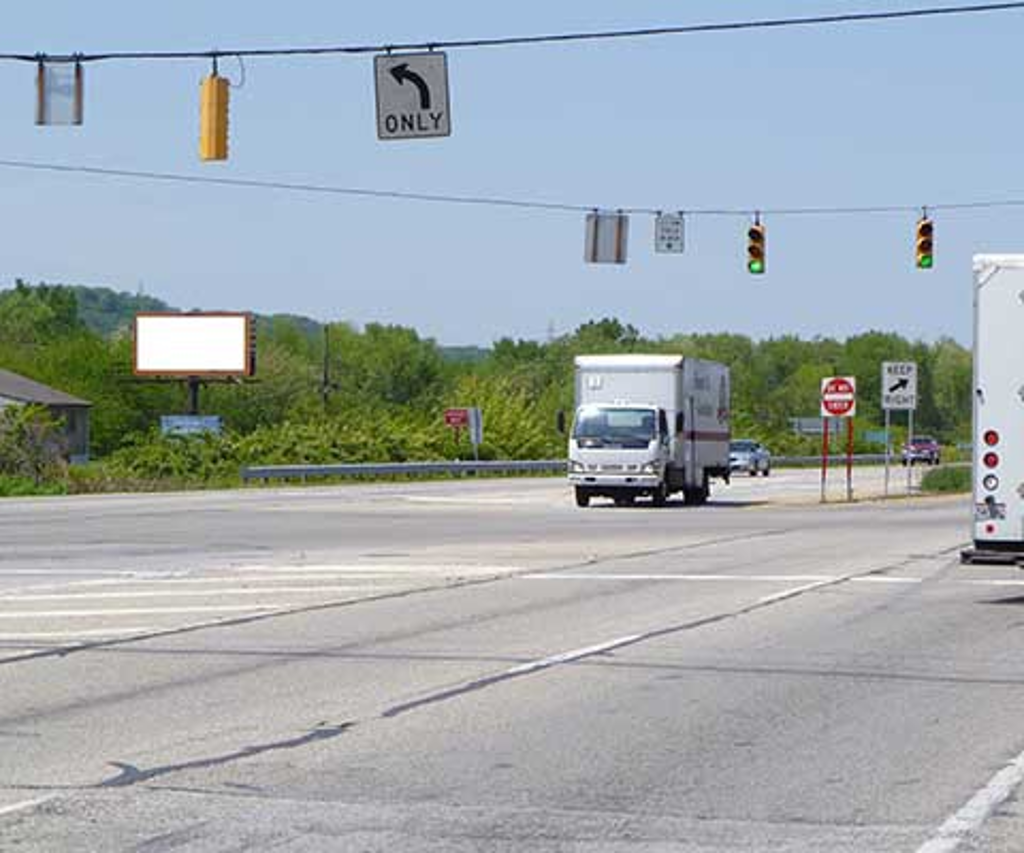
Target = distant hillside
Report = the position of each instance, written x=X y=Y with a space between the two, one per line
x=106 y=311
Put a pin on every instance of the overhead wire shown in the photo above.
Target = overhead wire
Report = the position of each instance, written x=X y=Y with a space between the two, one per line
x=497 y=201
x=550 y=38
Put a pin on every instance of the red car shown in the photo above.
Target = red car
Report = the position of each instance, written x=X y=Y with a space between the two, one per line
x=921 y=448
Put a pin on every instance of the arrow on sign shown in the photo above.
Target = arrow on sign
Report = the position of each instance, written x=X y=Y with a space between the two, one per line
x=401 y=73
x=899 y=385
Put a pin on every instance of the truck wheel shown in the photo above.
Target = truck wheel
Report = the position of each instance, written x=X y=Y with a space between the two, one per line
x=660 y=495
x=753 y=471
x=767 y=471
x=582 y=496
x=696 y=496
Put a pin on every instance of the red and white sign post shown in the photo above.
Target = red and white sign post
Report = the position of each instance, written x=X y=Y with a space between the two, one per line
x=838 y=400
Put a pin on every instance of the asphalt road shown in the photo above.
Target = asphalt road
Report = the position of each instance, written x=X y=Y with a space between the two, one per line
x=483 y=666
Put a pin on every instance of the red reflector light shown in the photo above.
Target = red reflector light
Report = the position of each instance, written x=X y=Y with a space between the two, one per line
x=991 y=460
x=990 y=528
x=991 y=438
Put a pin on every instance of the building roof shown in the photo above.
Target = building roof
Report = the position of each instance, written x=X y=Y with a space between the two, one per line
x=25 y=390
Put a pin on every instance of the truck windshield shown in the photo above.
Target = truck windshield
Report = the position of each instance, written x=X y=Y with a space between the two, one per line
x=614 y=427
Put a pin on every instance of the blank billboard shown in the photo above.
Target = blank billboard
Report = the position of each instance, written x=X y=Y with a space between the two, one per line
x=201 y=344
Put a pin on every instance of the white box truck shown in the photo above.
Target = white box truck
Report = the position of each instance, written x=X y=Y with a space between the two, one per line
x=649 y=425
x=998 y=432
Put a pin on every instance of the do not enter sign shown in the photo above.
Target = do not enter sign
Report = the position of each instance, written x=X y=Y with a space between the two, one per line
x=838 y=396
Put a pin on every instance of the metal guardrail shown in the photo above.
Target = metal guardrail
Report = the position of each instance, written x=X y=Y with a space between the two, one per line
x=530 y=466
x=834 y=459
x=384 y=469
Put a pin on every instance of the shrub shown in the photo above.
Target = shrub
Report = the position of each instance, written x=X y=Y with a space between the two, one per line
x=946 y=478
x=18 y=487
x=32 y=444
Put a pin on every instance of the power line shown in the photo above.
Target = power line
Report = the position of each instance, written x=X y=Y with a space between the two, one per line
x=497 y=201
x=553 y=38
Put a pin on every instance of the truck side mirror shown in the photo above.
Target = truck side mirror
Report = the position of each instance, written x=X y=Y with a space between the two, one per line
x=560 y=421
x=679 y=422
x=662 y=423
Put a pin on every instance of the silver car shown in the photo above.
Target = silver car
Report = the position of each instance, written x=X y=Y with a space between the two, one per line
x=751 y=456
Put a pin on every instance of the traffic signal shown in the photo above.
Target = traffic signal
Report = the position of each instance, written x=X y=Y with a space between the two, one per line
x=923 y=243
x=213 y=118
x=755 y=249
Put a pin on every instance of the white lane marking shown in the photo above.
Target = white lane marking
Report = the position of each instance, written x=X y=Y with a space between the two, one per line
x=797 y=590
x=136 y=611
x=577 y=576
x=62 y=572
x=766 y=578
x=994 y=582
x=568 y=657
x=355 y=577
x=384 y=568
x=976 y=810
x=182 y=593
x=24 y=805
x=65 y=635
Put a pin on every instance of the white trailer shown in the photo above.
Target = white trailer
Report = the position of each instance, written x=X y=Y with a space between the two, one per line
x=648 y=425
x=998 y=467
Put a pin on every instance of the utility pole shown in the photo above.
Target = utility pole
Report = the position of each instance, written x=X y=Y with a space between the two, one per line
x=325 y=387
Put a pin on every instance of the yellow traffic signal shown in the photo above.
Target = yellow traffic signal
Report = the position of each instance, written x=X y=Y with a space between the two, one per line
x=755 y=249
x=923 y=243
x=213 y=118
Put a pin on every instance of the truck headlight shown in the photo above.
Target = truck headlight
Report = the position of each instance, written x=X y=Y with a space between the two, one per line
x=575 y=467
x=650 y=468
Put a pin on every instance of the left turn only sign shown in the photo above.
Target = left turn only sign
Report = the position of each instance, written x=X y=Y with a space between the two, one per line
x=412 y=95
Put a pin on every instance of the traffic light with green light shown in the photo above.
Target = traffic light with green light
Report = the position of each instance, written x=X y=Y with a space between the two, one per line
x=923 y=243
x=755 y=249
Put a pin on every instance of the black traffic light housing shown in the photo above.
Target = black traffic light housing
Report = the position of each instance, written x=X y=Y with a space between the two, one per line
x=756 y=248
x=924 y=243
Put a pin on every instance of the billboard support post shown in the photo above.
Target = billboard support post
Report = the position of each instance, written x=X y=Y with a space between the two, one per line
x=193 y=395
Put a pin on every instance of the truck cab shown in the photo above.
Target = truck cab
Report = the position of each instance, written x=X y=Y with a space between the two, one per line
x=619 y=451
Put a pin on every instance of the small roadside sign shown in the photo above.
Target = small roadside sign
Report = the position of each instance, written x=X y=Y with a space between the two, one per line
x=456 y=418
x=412 y=95
x=190 y=424
x=470 y=419
x=899 y=385
x=839 y=396
x=669 y=233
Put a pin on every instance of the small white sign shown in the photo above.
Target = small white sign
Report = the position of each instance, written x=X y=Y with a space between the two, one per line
x=899 y=385
x=412 y=95
x=669 y=234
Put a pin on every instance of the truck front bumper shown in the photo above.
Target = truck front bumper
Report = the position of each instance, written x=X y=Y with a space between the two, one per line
x=615 y=481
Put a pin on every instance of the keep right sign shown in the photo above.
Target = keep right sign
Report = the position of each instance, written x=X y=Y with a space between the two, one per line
x=899 y=385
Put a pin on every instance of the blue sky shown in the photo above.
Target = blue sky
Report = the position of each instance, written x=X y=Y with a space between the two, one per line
x=901 y=113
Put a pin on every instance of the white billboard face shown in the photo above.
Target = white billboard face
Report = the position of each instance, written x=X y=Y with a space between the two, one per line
x=215 y=344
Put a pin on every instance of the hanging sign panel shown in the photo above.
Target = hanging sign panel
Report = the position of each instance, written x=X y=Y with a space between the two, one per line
x=607 y=235
x=412 y=95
